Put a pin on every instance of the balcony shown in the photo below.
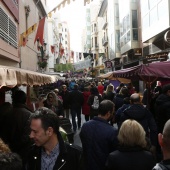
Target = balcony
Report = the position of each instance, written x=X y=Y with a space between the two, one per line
x=104 y=41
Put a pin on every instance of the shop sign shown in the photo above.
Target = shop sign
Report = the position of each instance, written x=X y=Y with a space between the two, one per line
x=151 y=59
x=138 y=52
x=167 y=37
x=108 y=64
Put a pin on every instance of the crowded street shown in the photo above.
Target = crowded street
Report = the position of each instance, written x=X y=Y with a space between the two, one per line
x=85 y=85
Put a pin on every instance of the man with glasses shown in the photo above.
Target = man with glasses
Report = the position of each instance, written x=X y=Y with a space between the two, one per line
x=50 y=152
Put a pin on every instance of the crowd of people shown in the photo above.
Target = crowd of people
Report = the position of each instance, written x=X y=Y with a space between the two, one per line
x=122 y=130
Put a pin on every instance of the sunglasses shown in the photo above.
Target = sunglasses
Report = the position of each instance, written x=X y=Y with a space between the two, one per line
x=50 y=97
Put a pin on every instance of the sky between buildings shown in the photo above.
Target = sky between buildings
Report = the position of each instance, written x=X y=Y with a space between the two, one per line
x=74 y=15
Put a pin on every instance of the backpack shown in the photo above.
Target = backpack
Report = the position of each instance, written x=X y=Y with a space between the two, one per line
x=95 y=104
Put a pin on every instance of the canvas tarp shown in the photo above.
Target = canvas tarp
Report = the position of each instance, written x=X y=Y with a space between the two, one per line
x=11 y=76
x=147 y=72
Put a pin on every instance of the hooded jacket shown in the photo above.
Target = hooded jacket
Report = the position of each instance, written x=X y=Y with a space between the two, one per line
x=162 y=108
x=144 y=117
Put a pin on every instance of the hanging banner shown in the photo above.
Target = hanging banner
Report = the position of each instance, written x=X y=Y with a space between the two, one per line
x=40 y=31
x=82 y=65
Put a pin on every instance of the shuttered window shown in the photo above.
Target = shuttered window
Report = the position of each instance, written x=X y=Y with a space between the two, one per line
x=8 y=29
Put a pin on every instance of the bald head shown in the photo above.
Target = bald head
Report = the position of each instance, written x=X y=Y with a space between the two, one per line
x=166 y=136
x=166 y=130
x=135 y=98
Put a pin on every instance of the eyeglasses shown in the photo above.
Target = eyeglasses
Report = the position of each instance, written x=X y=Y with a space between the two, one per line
x=50 y=97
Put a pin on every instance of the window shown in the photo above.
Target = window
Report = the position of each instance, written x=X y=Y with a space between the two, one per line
x=65 y=42
x=135 y=34
x=145 y=23
x=162 y=11
x=92 y=42
x=8 y=29
x=65 y=29
x=152 y=3
x=144 y=7
x=134 y=19
x=96 y=41
x=116 y=14
x=117 y=40
x=92 y=28
x=153 y=16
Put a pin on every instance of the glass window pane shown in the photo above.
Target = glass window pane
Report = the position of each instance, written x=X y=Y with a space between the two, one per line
x=134 y=19
x=152 y=3
x=145 y=21
x=135 y=34
x=153 y=16
x=162 y=10
x=128 y=22
x=128 y=36
x=144 y=7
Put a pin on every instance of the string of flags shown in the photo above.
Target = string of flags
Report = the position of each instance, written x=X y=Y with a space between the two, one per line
x=40 y=31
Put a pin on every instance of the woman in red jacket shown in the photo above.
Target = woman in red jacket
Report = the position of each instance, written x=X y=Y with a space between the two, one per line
x=86 y=107
x=100 y=88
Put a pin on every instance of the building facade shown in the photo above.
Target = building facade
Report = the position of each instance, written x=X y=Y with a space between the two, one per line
x=9 y=32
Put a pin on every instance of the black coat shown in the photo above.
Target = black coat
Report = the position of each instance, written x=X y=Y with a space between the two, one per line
x=144 y=117
x=130 y=158
x=70 y=157
x=65 y=97
x=20 y=130
x=162 y=109
x=76 y=99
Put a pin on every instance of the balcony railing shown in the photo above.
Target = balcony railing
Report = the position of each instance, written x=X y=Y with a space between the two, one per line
x=105 y=41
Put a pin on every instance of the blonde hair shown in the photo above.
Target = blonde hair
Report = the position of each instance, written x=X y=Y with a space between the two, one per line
x=55 y=101
x=3 y=147
x=131 y=133
x=110 y=88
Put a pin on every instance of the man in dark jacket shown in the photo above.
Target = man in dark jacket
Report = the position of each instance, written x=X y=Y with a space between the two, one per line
x=19 y=134
x=142 y=115
x=98 y=137
x=76 y=101
x=162 y=108
x=65 y=96
x=50 y=151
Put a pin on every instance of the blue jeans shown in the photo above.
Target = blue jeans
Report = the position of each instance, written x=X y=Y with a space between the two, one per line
x=76 y=112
